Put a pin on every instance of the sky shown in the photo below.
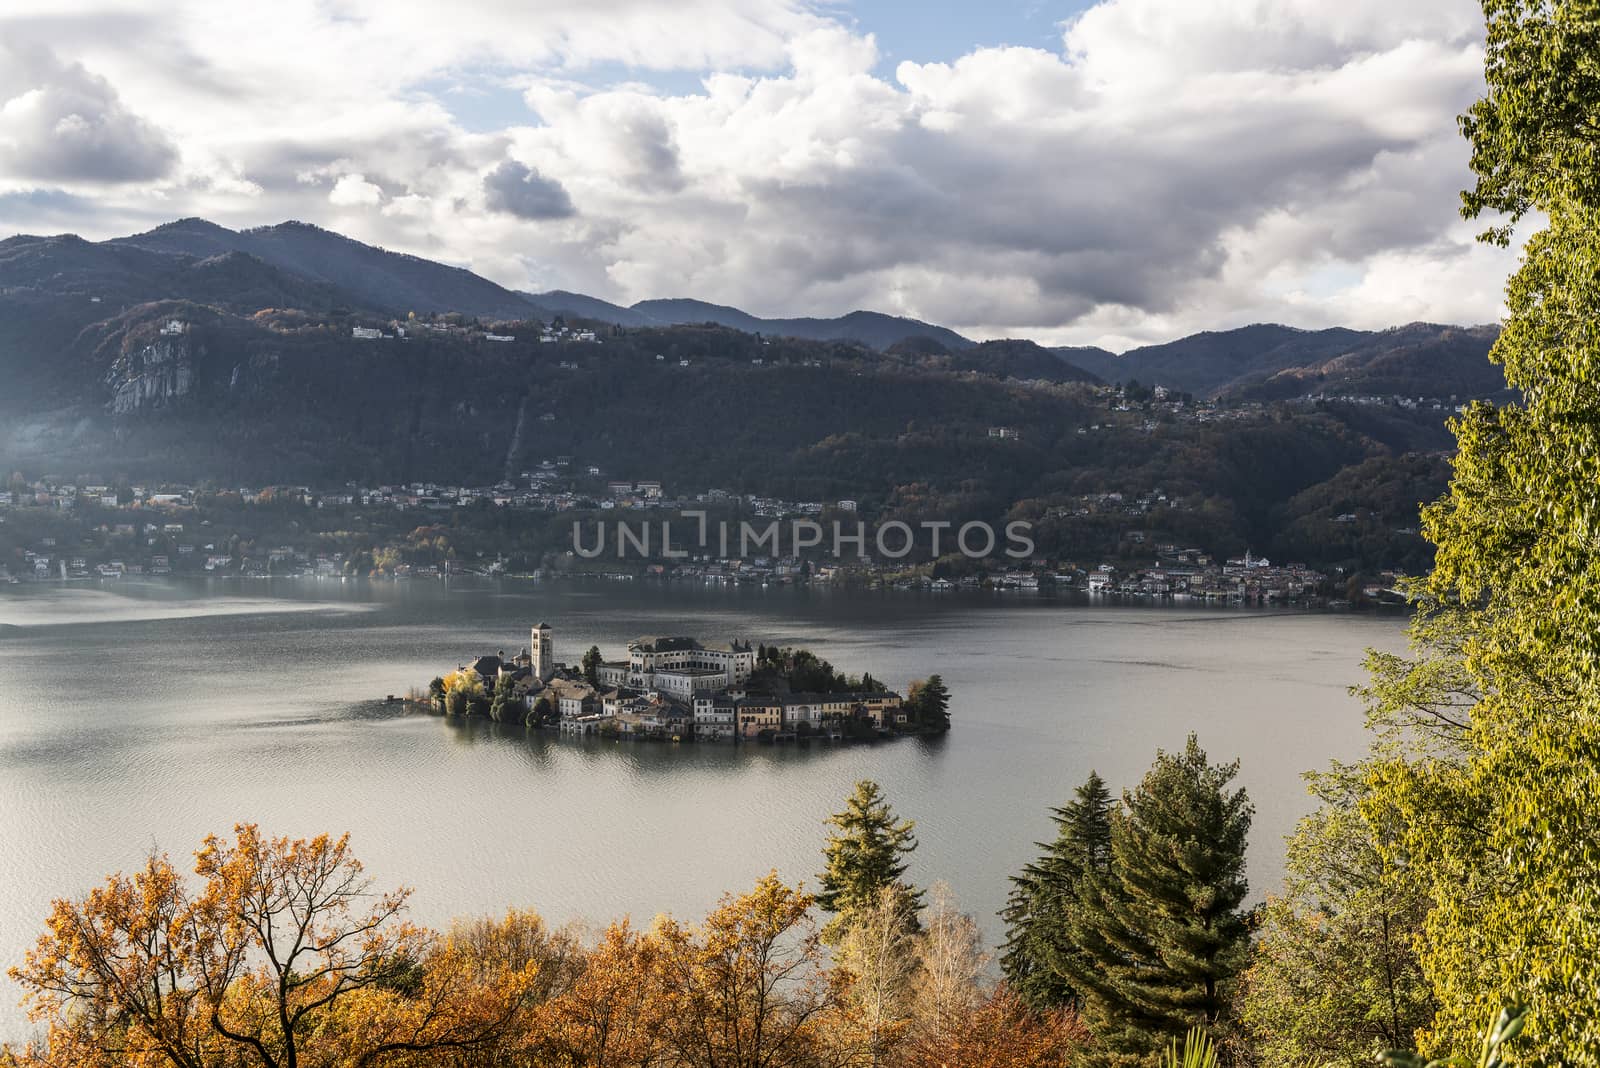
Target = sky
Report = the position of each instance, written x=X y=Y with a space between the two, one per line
x=1114 y=172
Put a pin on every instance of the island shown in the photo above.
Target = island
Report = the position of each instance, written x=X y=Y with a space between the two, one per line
x=682 y=689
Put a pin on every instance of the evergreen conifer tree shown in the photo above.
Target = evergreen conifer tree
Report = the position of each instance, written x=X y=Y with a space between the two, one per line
x=1036 y=911
x=864 y=854
x=1154 y=944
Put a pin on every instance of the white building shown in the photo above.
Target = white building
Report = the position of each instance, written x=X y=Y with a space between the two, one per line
x=688 y=663
x=366 y=333
x=714 y=718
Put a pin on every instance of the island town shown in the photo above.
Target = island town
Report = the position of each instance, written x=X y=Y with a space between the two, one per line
x=682 y=689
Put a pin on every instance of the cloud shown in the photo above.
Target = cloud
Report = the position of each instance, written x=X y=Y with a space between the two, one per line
x=353 y=190
x=58 y=122
x=1173 y=165
x=519 y=190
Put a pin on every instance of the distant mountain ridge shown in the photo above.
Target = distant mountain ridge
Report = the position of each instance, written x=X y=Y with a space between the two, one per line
x=393 y=281
x=295 y=264
x=870 y=328
x=1269 y=361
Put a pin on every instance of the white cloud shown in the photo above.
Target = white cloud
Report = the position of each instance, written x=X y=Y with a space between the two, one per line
x=59 y=122
x=1176 y=165
x=353 y=190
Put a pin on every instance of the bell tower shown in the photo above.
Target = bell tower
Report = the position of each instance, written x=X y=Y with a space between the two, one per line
x=542 y=649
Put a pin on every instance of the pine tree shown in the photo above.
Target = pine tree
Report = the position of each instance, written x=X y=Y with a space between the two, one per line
x=1036 y=911
x=864 y=855
x=1156 y=943
x=591 y=665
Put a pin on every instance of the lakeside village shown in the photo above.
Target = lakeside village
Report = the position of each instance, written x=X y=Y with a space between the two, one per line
x=680 y=689
x=105 y=532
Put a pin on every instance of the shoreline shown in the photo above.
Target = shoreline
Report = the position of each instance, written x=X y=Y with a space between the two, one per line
x=1077 y=597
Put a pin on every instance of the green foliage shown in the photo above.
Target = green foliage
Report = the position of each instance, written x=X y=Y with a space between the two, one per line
x=1197 y=1051
x=1507 y=1025
x=864 y=854
x=591 y=665
x=928 y=704
x=802 y=671
x=1156 y=943
x=1335 y=976
x=1502 y=826
x=1535 y=142
x=542 y=712
x=504 y=706
x=1038 y=910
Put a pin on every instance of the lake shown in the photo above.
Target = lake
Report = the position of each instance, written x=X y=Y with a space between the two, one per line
x=138 y=716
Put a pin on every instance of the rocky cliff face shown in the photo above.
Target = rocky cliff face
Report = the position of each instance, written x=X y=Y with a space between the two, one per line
x=152 y=376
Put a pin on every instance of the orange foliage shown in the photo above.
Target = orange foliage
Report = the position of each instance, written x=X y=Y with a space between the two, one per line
x=997 y=1032
x=283 y=956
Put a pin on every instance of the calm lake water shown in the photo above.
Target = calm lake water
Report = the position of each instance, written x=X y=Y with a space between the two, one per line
x=146 y=716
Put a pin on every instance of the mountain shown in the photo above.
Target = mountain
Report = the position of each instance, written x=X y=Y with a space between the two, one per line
x=1207 y=362
x=1269 y=361
x=194 y=352
x=579 y=306
x=1419 y=359
x=1006 y=358
x=392 y=281
x=874 y=329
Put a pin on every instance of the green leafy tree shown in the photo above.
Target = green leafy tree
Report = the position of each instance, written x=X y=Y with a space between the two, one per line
x=542 y=712
x=504 y=705
x=1043 y=895
x=1156 y=944
x=591 y=665
x=1503 y=830
x=1491 y=1051
x=1335 y=976
x=864 y=854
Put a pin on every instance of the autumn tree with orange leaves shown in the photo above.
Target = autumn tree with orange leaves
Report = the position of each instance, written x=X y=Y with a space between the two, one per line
x=283 y=958
x=748 y=988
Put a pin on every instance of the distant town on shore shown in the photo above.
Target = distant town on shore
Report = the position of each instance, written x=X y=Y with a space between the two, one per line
x=56 y=530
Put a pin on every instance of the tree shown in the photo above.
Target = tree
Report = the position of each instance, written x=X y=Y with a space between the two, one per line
x=864 y=855
x=878 y=953
x=998 y=1031
x=952 y=960
x=1036 y=912
x=1491 y=1053
x=614 y=1013
x=1335 y=977
x=505 y=705
x=747 y=989
x=464 y=692
x=591 y=665
x=1502 y=832
x=1155 y=944
x=285 y=956
x=929 y=703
